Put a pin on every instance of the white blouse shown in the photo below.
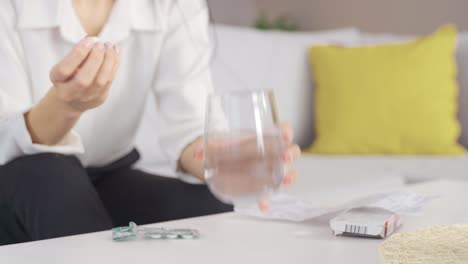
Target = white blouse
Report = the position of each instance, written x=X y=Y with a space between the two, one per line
x=165 y=51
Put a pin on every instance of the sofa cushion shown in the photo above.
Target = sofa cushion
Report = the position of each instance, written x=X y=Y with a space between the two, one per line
x=462 y=65
x=388 y=99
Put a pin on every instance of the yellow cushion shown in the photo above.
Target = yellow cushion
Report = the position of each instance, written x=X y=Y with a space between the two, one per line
x=388 y=99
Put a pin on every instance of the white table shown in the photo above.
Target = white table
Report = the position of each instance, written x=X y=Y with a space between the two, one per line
x=230 y=238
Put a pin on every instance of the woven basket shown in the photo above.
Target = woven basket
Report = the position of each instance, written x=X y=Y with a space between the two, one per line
x=437 y=244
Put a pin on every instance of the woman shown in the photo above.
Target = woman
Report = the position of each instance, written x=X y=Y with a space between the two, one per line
x=75 y=76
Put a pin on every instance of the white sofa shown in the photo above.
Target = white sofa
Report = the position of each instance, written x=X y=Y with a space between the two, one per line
x=250 y=59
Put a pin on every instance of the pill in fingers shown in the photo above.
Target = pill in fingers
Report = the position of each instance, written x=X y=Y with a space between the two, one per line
x=89 y=42
x=101 y=46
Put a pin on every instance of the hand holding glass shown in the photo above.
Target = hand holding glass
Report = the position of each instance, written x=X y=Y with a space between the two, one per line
x=244 y=146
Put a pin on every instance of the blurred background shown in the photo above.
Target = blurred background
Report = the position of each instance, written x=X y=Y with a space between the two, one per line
x=396 y=16
x=278 y=59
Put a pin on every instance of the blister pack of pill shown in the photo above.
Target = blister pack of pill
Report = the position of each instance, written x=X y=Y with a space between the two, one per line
x=368 y=222
x=132 y=231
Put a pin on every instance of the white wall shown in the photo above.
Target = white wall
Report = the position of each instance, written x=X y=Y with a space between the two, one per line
x=233 y=12
x=398 y=16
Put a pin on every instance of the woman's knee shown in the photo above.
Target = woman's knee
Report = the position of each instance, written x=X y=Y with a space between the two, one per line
x=53 y=196
x=37 y=174
x=44 y=164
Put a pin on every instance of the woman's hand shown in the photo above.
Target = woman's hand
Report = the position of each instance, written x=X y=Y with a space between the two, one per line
x=291 y=153
x=83 y=78
x=81 y=82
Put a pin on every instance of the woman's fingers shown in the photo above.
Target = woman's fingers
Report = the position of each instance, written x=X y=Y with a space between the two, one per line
x=86 y=75
x=87 y=85
x=199 y=152
x=264 y=205
x=104 y=77
x=288 y=133
x=69 y=65
x=290 y=177
x=116 y=62
x=292 y=153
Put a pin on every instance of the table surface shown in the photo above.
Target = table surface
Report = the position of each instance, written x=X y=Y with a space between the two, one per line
x=231 y=238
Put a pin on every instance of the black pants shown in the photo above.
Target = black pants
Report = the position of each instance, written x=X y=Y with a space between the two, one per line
x=49 y=195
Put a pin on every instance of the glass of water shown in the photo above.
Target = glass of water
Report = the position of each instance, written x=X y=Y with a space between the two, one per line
x=243 y=146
